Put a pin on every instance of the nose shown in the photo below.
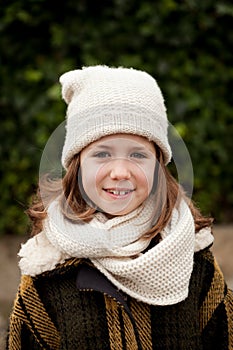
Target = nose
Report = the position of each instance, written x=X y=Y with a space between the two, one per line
x=120 y=170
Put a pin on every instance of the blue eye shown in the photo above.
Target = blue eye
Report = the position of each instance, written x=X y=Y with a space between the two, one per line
x=138 y=155
x=102 y=155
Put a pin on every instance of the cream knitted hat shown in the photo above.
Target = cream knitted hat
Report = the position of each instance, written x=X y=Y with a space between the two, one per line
x=103 y=101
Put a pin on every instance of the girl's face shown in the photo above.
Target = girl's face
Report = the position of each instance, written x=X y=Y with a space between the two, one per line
x=117 y=172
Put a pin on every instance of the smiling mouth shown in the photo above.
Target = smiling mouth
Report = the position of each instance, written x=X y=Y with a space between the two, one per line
x=121 y=192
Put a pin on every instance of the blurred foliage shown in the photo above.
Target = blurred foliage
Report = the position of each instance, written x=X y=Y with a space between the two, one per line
x=186 y=45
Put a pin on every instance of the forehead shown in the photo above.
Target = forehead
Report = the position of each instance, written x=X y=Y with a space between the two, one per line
x=123 y=140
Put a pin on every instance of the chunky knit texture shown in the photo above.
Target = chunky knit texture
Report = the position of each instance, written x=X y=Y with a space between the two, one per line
x=160 y=276
x=104 y=101
x=50 y=312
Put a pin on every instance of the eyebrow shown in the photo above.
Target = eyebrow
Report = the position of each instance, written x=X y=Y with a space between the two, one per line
x=103 y=147
x=134 y=148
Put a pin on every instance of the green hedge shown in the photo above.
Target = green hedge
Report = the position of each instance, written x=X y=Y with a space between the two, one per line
x=186 y=45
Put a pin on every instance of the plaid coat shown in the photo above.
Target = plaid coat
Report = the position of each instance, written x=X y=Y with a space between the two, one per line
x=75 y=307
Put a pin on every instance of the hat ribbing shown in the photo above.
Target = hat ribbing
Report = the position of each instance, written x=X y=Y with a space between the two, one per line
x=103 y=101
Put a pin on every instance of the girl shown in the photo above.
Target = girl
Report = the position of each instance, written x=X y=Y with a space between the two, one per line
x=119 y=257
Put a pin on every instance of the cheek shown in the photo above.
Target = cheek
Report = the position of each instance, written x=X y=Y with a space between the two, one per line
x=100 y=173
x=87 y=184
x=146 y=177
x=151 y=177
x=92 y=175
x=87 y=180
x=86 y=176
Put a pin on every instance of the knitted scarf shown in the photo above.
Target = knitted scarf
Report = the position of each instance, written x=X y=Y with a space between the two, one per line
x=158 y=276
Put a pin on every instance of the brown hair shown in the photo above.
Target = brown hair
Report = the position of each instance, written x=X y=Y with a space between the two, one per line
x=74 y=206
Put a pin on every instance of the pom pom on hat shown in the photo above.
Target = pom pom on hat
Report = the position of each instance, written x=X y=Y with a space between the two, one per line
x=103 y=101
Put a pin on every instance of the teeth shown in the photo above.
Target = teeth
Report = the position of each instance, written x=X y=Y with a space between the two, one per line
x=119 y=193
